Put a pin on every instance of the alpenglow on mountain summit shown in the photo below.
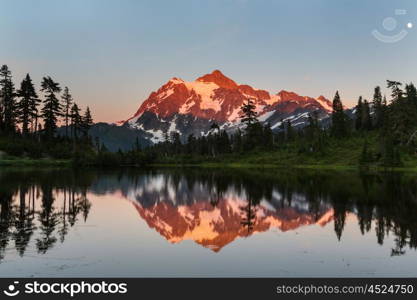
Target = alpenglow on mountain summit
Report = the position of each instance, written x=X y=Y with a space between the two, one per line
x=192 y=107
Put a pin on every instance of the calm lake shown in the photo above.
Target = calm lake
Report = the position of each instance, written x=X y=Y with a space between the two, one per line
x=206 y=223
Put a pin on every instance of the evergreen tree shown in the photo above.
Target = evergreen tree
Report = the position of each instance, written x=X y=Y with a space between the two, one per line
x=268 y=137
x=396 y=91
x=27 y=106
x=358 y=114
x=402 y=113
x=281 y=132
x=76 y=121
x=366 y=116
x=87 y=121
x=339 y=122
x=411 y=93
x=191 y=144
x=378 y=107
x=289 y=131
x=248 y=113
x=8 y=101
x=313 y=133
x=35 y=102
x=253 y=128
x=254 y=136
x=385 y=116
x=67 y=100
x=51 y=109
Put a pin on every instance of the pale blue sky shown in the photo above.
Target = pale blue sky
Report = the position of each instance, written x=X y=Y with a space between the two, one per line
x=113 y=53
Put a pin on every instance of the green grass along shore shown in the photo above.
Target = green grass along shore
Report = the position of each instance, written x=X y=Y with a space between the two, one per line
x=338 y=155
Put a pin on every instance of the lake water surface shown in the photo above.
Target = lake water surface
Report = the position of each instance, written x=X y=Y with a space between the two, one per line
x=206 y=223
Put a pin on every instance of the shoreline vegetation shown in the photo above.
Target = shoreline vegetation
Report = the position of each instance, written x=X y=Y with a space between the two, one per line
x=334 y=159
x=377 y=135
x=229 y=165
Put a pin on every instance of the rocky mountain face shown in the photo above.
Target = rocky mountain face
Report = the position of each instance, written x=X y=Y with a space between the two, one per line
x=192 y=107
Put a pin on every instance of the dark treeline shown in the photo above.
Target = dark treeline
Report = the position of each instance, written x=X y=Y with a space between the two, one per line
x=48 y=123
x=29 y=119
x=394 y=124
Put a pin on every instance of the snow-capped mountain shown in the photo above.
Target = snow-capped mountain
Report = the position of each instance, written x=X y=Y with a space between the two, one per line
x=192 y=107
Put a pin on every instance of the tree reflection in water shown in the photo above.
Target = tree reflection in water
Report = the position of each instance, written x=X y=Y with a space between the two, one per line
x=43 y=206
x=389 y=201
x=39 y=206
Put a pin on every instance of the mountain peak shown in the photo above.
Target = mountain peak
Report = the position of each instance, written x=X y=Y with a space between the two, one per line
x=191 y=107
x=218 y=78
x=176 y=80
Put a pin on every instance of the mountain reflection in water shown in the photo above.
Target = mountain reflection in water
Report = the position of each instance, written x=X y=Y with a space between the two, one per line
x=210 y=207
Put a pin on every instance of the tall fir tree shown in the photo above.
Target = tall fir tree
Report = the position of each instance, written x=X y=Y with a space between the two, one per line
x=396 y=91
x=248 y=113
x=51 y=109
x=366 y=116
x=358 y=114
x=87 y=121
x=378 y=107
x=313 y=133
x=27 y=106
x=289 y=131
x=76 y=121
x=253 y=130
x=339 y=120
x=268 y=137
x=411 y=96
x=402 y=113
x=35 y=103
x=67 y=103
x=7 y=100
